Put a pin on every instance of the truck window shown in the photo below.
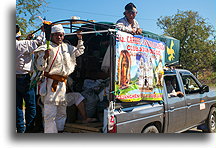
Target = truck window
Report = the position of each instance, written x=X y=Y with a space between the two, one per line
x=190 y=85
x=172 y=86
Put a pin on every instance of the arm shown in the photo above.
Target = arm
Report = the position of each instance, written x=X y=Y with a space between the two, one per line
x=123 y=28
x=33 y=44
x=122 y=25
x=172 y=94
x=41 y=58
x=175 y=94
x=79 y=50
x=180 y=94
x=135 y=31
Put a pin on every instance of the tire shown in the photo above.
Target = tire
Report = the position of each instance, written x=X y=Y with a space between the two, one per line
x=211 y=121
x=151 y=129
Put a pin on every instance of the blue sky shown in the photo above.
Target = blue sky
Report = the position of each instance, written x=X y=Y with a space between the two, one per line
x=111 y=10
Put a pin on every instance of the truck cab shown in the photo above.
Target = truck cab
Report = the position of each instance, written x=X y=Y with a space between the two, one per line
x=190 y=109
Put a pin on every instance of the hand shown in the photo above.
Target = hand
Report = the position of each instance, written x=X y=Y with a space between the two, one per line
x=133 y=31
x=47 y=52
x=180 y=94
x=30 y=36
x=79 y=35
x=139 y=31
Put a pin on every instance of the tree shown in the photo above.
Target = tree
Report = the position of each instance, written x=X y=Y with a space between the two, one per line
x=214 y=46
x=27 y=12
x=197 y=49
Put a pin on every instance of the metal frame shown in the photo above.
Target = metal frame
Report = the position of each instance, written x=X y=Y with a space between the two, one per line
x=107 y=28
x=112 y=65
x=73 y=21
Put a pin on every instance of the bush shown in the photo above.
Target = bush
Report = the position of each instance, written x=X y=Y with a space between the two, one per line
x=208 y=78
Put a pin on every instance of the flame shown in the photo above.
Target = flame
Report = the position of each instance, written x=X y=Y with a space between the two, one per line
x=44 y=21
x=47 y=22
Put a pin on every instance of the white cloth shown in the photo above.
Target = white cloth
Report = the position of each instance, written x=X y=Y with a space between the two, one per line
x=123 y=25
x=57 y=28
x=105 y=66
x=24 y=50
x=171 y=91
x=104 y=92
x=74 y=98
x=54 y=118
x=63 y=65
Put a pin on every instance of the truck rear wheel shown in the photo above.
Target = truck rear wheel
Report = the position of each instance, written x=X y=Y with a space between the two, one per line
x=211 y=121
x=150 y=129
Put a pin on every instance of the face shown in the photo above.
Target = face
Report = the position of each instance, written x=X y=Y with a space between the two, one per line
x=58 y=37
x=130 y=15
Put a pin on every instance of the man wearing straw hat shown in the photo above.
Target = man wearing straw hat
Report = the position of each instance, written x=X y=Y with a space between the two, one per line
x=57 y=62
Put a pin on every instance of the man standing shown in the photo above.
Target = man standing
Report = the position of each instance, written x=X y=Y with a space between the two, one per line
x=24 y=50
x=128 y=23
x=57 y=63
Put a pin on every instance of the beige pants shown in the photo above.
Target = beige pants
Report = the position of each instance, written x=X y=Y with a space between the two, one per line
x=54 y=118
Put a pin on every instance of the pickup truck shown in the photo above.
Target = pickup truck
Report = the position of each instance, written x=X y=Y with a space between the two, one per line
x=189 y=104
x=174 y=114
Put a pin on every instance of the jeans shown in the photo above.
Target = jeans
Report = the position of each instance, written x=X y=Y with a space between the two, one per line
x=28 y=95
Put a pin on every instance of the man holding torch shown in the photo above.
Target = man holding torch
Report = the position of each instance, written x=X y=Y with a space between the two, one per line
x=57 y=60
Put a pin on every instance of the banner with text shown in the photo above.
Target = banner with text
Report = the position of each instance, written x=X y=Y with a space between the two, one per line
x=139 y=68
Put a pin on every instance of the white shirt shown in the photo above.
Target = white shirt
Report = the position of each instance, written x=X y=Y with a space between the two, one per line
x=125 y=26
x=171 y=91
x=24 y=50
x=64 y=64
x=65 y=60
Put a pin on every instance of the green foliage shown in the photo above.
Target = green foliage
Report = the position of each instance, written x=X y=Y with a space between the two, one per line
x=214 y=47
x=27 y=12
x=208 y=78
x=197 y=50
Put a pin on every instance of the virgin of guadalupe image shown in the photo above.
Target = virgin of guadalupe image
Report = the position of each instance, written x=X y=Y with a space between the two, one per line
x=124 y=65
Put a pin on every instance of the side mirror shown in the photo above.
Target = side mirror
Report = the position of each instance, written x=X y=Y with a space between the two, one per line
x=204 y=89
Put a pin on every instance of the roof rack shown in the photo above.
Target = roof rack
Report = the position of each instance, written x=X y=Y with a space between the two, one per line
x=91 y=23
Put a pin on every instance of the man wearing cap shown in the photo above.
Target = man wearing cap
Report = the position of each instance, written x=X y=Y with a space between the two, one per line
x=24 y=50
x=57 y=62
x=128 y=23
